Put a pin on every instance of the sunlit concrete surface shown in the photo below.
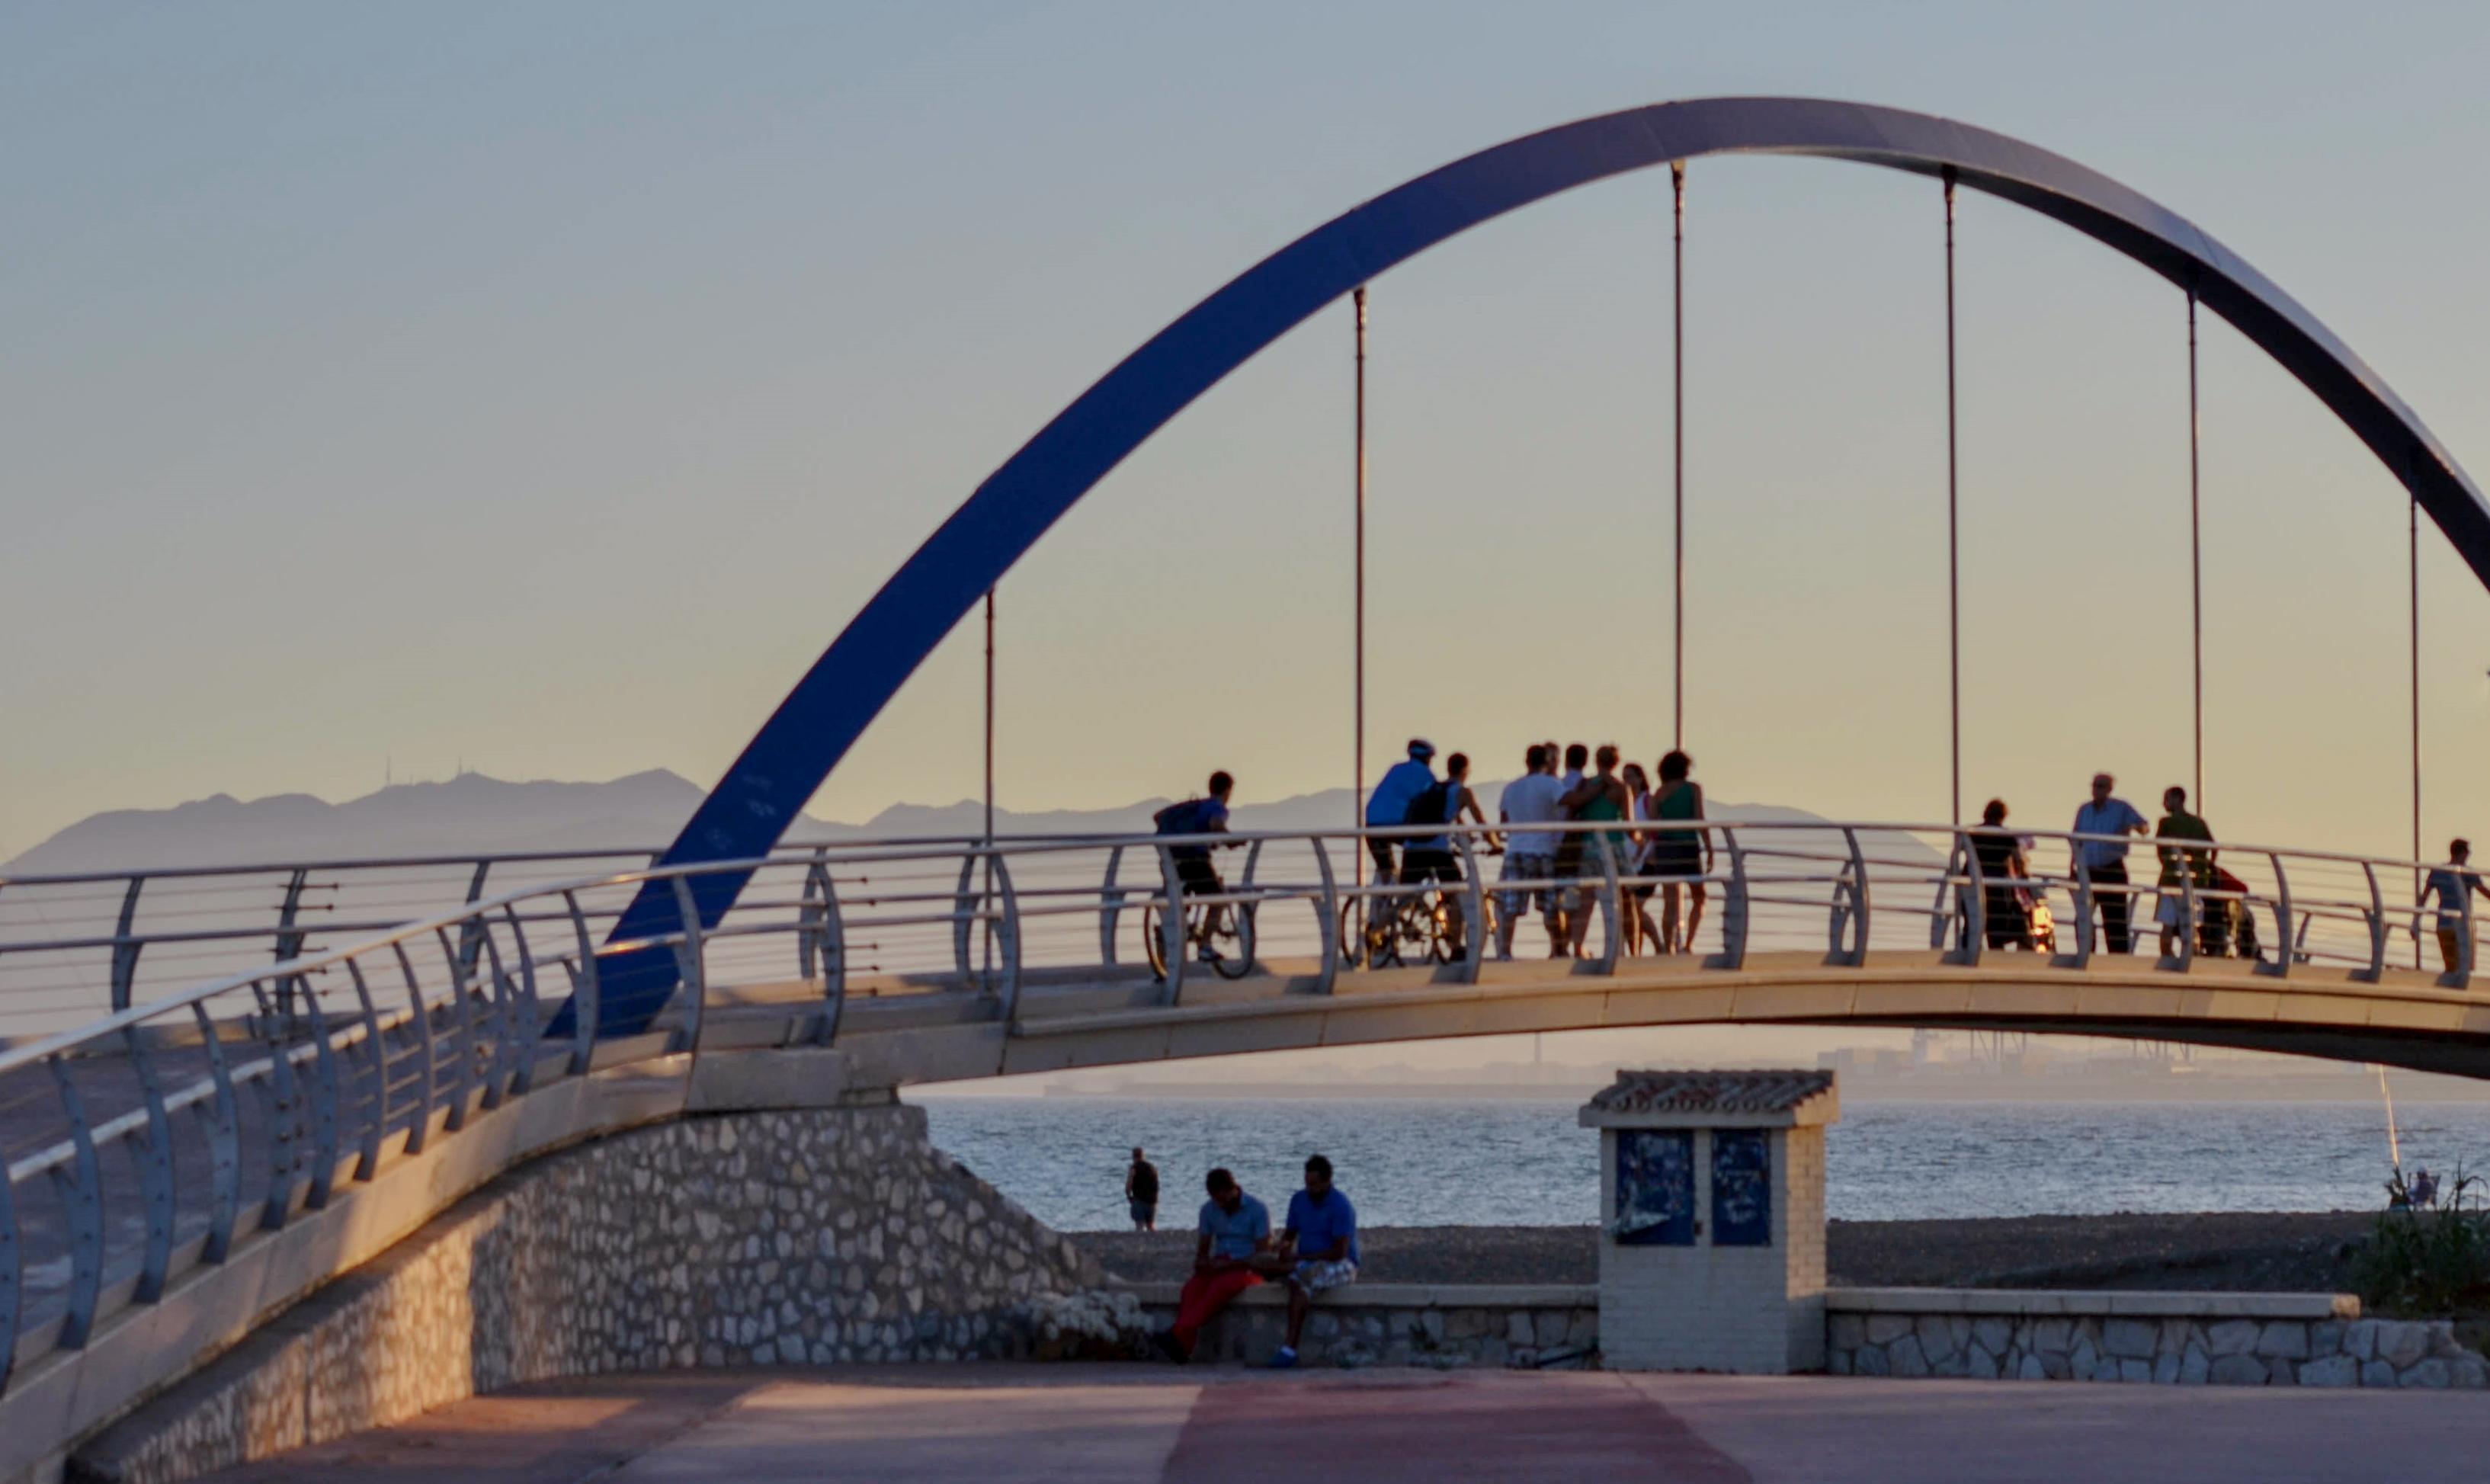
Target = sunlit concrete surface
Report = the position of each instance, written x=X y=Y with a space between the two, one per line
x=1119 y=1423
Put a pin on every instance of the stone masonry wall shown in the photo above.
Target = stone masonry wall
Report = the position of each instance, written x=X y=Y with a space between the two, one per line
x=1446 y=1327
x=2185 y=1351
x=755 y=1238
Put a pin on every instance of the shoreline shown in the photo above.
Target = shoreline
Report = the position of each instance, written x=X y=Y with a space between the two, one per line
x=2223 y=1251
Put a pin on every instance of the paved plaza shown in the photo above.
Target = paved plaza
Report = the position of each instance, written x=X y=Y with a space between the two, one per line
x=1139 y=1425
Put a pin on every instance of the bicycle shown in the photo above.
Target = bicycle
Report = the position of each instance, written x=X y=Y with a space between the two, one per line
x=1415 y=928
x=1206 y=931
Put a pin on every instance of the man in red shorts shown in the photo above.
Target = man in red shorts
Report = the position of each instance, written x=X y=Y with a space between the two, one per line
x=1234 y=1228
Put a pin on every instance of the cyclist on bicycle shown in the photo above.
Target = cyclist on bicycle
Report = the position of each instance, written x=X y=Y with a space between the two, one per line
x=1207 y=815
x=1433 y=859
x=1389 y=803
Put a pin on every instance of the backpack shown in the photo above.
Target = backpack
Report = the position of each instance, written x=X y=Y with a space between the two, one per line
x=1180 y=818
x=1434 y=804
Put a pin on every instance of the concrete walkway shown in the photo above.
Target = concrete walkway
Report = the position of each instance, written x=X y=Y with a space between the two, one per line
x=1140 y=1425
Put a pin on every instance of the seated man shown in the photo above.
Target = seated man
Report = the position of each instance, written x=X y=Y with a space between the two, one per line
x=1236 y=1230
x=1318 y=1250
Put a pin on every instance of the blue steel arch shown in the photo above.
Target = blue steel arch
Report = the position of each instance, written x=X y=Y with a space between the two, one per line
x=863 y=668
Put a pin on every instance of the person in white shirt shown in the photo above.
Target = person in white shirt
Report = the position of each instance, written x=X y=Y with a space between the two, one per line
x=1529 y=855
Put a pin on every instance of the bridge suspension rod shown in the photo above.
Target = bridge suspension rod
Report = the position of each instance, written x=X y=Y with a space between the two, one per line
x=1953 y=533
x=1677 y=482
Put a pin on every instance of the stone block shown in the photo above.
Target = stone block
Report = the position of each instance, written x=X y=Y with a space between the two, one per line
x=2086 y=1359
x=2326 y=1338
x=2360 y=1339
x=2232 y=1337
x=1871 y=1360
x=2431 y=1375
x=2330 y=1371
x=1845 y=1332
x=1548 y=1327
x=2402 y=1342
x=2131 y=1339
x=2055 y=1366
x=2165 y=1367
x=2031 y=1369
x=1908 y=1358
x=1837 y=1363
x=1935 y=1334
x=1517 y=1329
x=2377 y=1373
x=2283 y=1338
x=2052 y=1336
x=1886 y=1328
x=2238 y=1370
x=1993 y=1334
x=2468 y=1372
x=1977 y=1364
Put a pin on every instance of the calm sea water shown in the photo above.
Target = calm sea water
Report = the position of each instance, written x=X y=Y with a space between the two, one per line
x=1439 y=1163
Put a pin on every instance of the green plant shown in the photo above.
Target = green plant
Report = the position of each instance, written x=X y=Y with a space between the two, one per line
x=2427 y=1262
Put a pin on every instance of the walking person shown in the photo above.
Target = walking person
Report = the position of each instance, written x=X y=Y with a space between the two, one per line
x=2177 y=824
x=1531 y=854
x=1569 y=854
x=1141 y=1192
x=2451 y=883
x=1679 y=852
x=2104 y=859
x=1638 y=897
x=1600 y=797
x=2002 y=864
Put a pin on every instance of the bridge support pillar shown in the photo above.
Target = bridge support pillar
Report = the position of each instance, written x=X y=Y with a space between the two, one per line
x=1712 y=1200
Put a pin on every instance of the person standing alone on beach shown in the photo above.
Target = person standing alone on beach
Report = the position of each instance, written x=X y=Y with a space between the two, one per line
x=1142 y=1193
x=2107 y=860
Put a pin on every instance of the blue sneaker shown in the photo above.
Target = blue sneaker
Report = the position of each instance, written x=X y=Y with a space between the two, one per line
x=1286 y=1360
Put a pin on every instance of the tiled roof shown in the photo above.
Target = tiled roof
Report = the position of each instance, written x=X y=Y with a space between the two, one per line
x=1780 y=1091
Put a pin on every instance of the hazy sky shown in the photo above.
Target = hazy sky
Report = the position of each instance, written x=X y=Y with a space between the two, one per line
x=544 y=386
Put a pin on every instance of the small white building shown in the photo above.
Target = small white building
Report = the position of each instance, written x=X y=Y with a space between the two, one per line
x=1712 y=1211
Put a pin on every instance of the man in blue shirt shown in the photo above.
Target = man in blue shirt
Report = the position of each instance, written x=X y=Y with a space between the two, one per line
x=1318 y=1250
x=1389 y=803
x=1236 y=1230
x=2107 y=859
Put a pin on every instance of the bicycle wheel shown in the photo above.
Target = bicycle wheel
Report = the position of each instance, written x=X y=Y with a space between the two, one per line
x=1382 y=946
x=1153 y=942
x=1426 y=930
x=1226 y=944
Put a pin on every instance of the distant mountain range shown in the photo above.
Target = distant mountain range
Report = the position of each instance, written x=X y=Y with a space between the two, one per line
x=473 y=814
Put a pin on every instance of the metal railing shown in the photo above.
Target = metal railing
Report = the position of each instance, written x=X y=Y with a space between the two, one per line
x=146 y=1142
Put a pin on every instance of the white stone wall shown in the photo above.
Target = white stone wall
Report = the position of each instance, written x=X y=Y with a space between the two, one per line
x=1752 y=1310
x=756 y=1238
x=2233 y=1339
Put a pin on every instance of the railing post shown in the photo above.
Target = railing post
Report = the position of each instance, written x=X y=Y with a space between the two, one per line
x=153 y=1157
x=462 y=1066
x=1849 y=927
x=289 y=938
x=2084 y=929
x=1475 y=894
x=427 y=1079
x=834 y=963
x=526 y=1023
x=472 y=930
x=1008 y=930
x=1737 y=910
x=376 y=1059
x=965 y=905
x=1242 y=913
x=1972 y=902
x=504 y=1018
x=324 y=1097
x=220 y=1130
x=285 y=1123
x=2186 y=916
x=691 y=961
x=1110 y=906
x=583 y=991
x=1171 y=943
x=2280 y=967
x=13 y=1279
x=1326 y=919
x=125 y=950
x=81 y=1186
x=1614 y=938
x=2377 y=917
x=2461 y=976
x=808 y=917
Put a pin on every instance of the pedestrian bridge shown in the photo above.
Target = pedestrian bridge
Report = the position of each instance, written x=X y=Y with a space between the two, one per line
x=166 y=1159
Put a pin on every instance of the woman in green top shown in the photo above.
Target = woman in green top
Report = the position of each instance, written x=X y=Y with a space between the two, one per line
x=1679 y=853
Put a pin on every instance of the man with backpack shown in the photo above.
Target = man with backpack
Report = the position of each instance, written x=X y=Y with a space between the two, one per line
x=1443 y=801
x=1207 y=815
x=1389 y=803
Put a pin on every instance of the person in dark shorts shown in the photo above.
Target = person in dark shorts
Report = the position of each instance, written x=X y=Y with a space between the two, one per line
x=1207 y=815
x=1433 y=857
x=1682 y=854
x=1999 y=854
x=1569 y=853
x=1141 y=1192
x=1389 y=803
x=2105 y=814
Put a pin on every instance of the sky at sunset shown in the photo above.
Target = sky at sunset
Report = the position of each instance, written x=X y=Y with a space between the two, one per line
x=541 y=388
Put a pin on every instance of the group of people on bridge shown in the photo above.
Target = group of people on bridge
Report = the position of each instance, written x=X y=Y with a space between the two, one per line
x=1660 y=845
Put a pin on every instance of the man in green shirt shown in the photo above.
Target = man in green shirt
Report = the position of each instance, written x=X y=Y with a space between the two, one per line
x=2179 y=825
